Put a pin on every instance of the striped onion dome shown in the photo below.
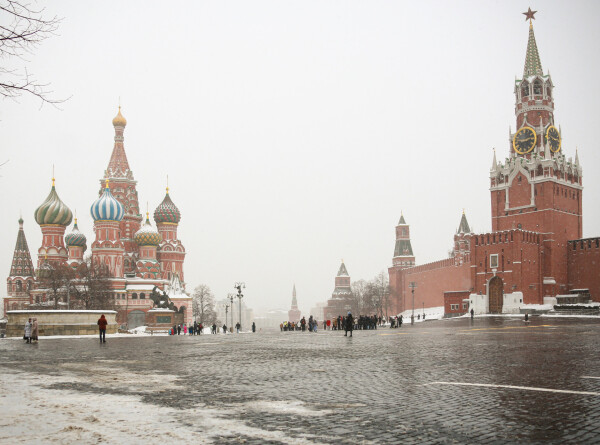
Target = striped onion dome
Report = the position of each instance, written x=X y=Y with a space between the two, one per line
x=107 y=208
x=147 y=235
x=53 y=210
x=75 y=237
x=167 y=212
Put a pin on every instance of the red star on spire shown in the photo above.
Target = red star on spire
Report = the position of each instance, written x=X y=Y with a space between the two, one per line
x=529 y=14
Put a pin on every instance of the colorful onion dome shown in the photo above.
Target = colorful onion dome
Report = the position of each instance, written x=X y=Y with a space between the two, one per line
x=53 y=210
x=75 y=237
x=119 y=120
x=167 y=212
x=147 y=235
x=107 y=207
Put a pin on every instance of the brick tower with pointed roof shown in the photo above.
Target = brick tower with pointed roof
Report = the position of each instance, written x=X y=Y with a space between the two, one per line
x=294 y=312
x=462 y=241
x=21 y=278
x=404 y=258
x=341 y=298
x=537 y=189
x=123 y=187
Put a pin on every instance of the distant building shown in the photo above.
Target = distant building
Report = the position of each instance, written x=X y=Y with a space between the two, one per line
x=341 y=298
x=270 y=319
x=294 y=312
x=318 y=311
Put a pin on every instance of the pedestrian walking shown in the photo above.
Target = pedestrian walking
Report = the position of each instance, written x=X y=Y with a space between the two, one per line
x=102 y=322
x=178 y=329
x=253 y=327
x=349 y=324
x=27 y=333
x=472 y=313
x=34 y=330
x=237 y=327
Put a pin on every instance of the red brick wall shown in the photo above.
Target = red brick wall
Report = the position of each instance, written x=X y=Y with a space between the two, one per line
x=432 y=280
x=520 y=262
x=455 y=298
x=584 y=265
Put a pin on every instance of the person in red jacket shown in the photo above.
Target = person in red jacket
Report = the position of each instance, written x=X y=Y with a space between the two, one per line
x=102 y=322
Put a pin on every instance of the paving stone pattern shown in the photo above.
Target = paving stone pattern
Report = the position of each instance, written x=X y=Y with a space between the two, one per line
x=376 y=387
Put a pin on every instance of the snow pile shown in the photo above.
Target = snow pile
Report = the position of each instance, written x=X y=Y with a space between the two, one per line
x=139 y=330
x=431 y=313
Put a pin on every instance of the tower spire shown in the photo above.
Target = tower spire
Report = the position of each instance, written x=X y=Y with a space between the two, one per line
x=22 y=266
x=533 y=65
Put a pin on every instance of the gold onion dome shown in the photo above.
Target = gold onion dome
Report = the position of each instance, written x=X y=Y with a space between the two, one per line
x=147 y=235
x=119 y=120
x=167 y=211
x=75 y=237
x=53 y=211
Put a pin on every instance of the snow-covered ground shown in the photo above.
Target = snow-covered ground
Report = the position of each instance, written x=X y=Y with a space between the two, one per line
x=84 y=417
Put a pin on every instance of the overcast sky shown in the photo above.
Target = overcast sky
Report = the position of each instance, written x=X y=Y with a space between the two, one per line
x=294 y=132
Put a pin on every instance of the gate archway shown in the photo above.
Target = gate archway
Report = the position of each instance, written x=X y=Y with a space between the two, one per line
x=135 y=319
x=495 y=295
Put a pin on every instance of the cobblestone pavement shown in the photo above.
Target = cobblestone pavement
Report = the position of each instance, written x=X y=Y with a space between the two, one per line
x=536 y=382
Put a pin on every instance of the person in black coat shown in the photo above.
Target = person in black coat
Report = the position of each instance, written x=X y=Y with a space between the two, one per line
x=349 y=324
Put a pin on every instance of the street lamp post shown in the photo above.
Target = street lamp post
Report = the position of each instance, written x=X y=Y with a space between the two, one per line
x=423 y=310
x=231 y=297
x=239 y=286
x=412 y=286
x=226 y=309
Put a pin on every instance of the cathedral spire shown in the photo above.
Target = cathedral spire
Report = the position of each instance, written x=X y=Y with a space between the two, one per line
x=118 y=167
x=533 y=65
x=21 y=266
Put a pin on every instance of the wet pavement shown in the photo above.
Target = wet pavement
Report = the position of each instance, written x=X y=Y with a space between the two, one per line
x=490 y=380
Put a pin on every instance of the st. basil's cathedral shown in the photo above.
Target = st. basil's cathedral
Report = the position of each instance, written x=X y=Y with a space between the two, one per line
x=137 y=256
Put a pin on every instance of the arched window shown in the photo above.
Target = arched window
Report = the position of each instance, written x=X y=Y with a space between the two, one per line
x=548 y=90
x=134 y=296
x=19 y=286
x=537 y=87
x=142 y=296
x=524 y=89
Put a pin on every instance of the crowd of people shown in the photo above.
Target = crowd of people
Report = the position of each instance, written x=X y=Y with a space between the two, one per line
x=346 y=323
x=198 y=329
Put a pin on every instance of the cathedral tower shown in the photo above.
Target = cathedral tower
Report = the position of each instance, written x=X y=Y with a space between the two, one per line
x=108 y=249
x=148 y=239
x=123 y=188
x=76 y=242
x=537 y=189
x=53 y=216
x=21 y=278
x=171 y=252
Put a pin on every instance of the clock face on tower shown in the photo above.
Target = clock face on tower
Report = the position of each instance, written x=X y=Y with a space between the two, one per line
x=553 y=138
x=524 y=140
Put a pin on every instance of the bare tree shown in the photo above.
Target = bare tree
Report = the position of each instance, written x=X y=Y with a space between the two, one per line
x=22 y=29
x=359 y=294
x=91 y=289
x=56 y=279
x=203 y=305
